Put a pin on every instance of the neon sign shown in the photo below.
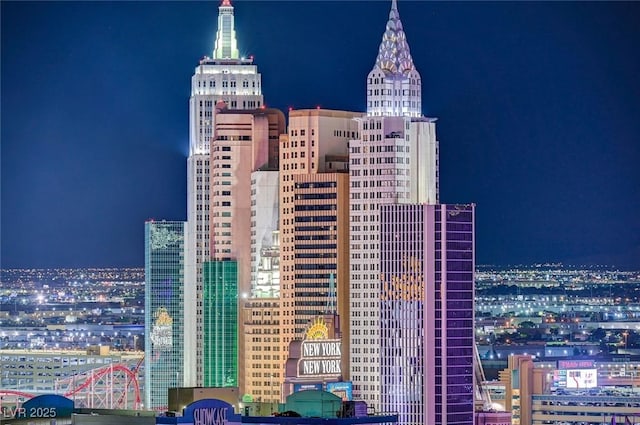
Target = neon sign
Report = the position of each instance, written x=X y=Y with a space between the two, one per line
x=162 y=331
x=320 y=358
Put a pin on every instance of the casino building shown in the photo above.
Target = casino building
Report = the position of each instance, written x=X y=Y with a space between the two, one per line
x=392 y=161
x=164 y=310
x=571 y=391
x=308 y=407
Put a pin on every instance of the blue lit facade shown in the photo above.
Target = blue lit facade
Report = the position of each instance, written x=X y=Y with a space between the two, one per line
x=427 y=308
x=164 y=311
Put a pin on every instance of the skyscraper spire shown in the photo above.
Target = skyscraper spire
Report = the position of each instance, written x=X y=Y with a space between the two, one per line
x=226 y=79
x=394 y=56
x=393 y=85
x=226 y=46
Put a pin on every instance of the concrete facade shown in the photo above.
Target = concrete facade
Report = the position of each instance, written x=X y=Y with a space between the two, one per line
x=313 y=217
x=393 y=161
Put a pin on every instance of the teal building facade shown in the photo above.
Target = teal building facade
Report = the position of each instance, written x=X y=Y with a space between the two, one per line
x=164 y=311
x=220 y=323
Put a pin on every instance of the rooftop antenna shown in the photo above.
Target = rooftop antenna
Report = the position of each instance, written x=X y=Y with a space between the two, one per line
x=331 y=299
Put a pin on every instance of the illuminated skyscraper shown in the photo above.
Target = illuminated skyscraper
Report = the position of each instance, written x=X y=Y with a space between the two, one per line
x=244 y=149
x=226 y=43
x=164 y=310
x=393 y=161
x=314 y=220
x=261 y=368
x=393 y=85
x=426 y=313
x=228 y=79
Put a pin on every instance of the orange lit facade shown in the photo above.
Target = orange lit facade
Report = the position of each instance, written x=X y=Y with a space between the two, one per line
x=245 y=142
x=314 y=220
x=262 y=353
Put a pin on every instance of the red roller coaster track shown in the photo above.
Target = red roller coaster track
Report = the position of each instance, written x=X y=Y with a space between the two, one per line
x=16 y=393
x=99 y=373
x=93 y=377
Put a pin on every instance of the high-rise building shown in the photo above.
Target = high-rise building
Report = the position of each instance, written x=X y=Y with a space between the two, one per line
x=314 y=219
x=245 y=143
x=164 y=310
x=393 y=161
x=228 y=79
x=261 y=353
x=244 y=148
x=426 y=312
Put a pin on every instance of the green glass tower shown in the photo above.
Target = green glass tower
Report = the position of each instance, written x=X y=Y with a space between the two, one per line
x=164 y=310
x=220 y=323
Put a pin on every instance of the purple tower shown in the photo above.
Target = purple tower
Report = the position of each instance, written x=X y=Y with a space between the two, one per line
x=427 y=268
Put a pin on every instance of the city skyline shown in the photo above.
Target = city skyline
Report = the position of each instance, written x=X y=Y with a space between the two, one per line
x=110 y=167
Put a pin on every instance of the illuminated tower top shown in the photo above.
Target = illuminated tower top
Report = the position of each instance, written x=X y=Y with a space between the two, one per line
x=394 y=86
x=394 y=56
x=226 y=46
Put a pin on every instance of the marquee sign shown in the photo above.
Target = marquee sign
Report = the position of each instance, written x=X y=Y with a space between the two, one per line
x=575 y=364
x=320 y=356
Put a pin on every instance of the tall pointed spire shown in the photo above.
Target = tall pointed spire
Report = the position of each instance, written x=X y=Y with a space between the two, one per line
x=393 y=85
x=226 y=46
x=394 y=56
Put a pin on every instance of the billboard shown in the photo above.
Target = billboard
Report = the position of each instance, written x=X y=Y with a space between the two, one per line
x=582 y=378
x=344 y=390
x=162 y=330
x=304 y=387
x=575 y=364
x=575 y=374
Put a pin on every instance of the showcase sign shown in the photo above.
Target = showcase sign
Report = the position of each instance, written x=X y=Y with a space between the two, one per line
x=210 y=412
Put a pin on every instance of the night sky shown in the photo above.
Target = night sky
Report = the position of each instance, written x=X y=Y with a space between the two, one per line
x=538 y=107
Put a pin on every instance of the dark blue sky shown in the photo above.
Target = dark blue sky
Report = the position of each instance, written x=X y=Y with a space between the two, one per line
x=538 y=106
